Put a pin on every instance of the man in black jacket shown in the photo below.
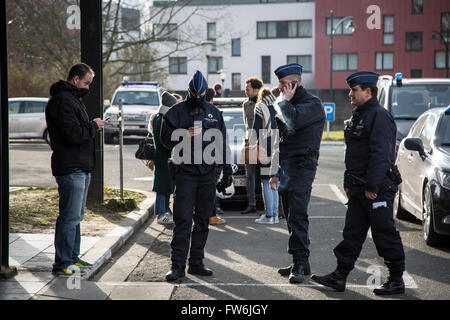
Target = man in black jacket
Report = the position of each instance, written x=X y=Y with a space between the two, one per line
x=371 y=180
x=193 y=120
x=300 y=118
x=72 y=142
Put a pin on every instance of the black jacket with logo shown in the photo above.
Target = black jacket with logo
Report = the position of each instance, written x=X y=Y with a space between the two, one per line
x=181 y=116
x=71 y=133
x=370 y=137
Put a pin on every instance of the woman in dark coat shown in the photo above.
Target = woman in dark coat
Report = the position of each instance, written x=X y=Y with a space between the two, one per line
x=162 y=182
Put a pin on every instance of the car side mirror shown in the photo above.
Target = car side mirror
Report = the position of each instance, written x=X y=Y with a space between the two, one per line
x=415 y=144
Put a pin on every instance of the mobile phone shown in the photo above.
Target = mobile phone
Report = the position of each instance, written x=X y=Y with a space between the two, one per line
x=293 y=84
x=107 y=118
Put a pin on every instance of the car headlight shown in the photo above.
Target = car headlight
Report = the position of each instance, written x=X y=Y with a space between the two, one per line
x=444 y=178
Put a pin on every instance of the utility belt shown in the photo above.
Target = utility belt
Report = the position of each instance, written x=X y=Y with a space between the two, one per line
x=312 y=155
x=392 y=173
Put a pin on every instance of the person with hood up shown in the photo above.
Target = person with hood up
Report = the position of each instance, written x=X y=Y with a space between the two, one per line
x=72 y=140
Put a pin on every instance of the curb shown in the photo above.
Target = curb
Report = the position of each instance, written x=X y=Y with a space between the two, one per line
x=116 y=238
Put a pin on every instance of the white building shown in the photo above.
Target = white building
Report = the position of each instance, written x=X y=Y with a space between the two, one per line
x=251 y=38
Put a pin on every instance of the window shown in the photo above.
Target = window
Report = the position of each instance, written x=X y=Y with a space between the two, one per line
x=211 y=34
x=13 y=107
x=382 y=97
x=265 y=69
x=417 y=7
x=416 y=73
x=33 y=107
x=284 y=29
x=384 y=61
x=165 y=31
x=413 y=41
x=341 y=30
x=439 y=60
x=428 y=132
x=304 y=60
x=388 y=30
x=130 y=19
x=345 y=61
x=445 y=25
x=178 y=65
x=300 y=29
x=417 y=127
x=235 y=47
x=235 y=81
x=215 y=64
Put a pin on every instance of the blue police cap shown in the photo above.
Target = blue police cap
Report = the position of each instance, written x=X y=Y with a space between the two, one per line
x=198 y=83
x=287 y=69
x=362 y=77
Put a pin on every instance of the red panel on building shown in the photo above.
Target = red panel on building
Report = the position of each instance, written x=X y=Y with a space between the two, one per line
x=366 y=42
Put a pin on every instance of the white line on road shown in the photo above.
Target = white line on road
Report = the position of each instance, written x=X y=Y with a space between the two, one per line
x=144 y=179
x=338 y=193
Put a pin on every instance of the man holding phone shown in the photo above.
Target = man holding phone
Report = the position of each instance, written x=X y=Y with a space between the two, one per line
x=300 y=118
x=72 y=136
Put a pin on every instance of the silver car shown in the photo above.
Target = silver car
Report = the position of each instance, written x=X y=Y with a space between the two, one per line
x=27 y=118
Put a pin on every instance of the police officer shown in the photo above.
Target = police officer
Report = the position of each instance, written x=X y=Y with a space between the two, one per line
x=195 y=179
x=300 y=118
x=371 y=180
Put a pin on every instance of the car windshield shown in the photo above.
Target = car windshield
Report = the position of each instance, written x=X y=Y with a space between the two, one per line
x=409 y=102
x=445 y=130
x=235 y=126
x=146 y=98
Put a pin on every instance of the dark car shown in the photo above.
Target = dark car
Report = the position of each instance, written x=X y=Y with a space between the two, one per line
x=407 y=99
x=424 y=162
x=233 y=117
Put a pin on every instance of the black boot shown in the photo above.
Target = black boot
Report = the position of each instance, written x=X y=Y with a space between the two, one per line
x=335 y=280
x=393 y=285
x=199 y=269
x=250 y=209
x=176 y=272
x=296 y=275
x=287 y=270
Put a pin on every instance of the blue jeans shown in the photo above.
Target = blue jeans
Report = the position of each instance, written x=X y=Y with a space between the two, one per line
x=270 y=199
x=72 y=189
x=160 y=204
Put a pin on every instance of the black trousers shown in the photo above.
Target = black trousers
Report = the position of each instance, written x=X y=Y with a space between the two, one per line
x=360 y=216
x=296 y=178
x=193 y=200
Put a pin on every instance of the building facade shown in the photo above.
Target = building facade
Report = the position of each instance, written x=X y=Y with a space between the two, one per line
x=390 y=37
x=248 y=37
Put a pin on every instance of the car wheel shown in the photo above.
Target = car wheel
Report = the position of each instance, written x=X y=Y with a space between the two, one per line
x=399 y=212
x=430 y=236
x=46 y=136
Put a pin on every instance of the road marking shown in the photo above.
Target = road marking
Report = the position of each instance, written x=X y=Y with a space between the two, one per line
x=144 y=179
x=339 y=194
x=309 y=217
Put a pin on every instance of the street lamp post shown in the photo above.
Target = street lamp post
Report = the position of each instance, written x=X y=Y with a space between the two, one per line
x=446 y=42
x=223 y=77
x=332 y=32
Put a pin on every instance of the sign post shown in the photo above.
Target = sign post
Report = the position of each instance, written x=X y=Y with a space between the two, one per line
x=329 y=108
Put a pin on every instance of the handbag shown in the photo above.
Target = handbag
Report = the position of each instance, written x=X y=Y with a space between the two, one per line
x=255 y=154
x=146 y=149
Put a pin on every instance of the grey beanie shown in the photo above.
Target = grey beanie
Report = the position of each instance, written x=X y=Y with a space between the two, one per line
x=168 y=100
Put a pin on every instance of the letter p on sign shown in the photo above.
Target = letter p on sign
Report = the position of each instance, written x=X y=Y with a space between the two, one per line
x=329 y=111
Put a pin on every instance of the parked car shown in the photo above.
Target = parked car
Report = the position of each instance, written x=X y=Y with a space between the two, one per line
x=27 y=118
x=424 y=163
x=234 y=122
x=139 y=101
x=407 y=99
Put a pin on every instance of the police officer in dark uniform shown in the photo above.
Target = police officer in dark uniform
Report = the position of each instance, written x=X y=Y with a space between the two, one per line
x=300 y=118
x=371 y=180
x=195 y=179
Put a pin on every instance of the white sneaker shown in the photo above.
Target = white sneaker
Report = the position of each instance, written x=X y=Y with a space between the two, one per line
x=165 y=219
x=265 y=220
x=276 y=219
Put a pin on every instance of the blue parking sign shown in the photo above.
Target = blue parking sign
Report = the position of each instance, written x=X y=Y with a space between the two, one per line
x=329 y=108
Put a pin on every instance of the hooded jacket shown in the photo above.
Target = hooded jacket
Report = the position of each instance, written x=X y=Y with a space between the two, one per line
x=71 y=133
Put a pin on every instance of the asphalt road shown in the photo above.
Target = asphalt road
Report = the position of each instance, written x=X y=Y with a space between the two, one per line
x=245 y=256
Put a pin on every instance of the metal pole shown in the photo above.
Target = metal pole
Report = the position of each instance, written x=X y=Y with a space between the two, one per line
x=446 y=56
x=331 y=55
x=91 y=53
x=5 y=270
x=121 y=128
